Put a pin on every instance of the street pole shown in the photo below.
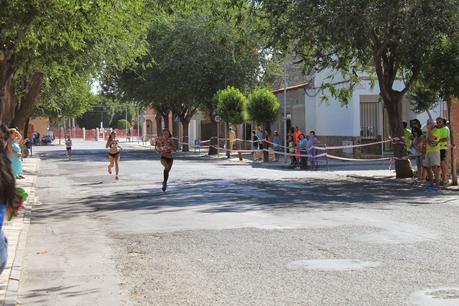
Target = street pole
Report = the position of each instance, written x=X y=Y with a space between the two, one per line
x=138 y=124
x=218 y=139
x=126 y=125
x=285 y=108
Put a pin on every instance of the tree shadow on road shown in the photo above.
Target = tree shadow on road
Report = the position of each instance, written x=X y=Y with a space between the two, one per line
x=101 y=155
x=239 y=196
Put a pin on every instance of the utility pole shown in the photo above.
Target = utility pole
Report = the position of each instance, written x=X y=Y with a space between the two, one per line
x=126 y=125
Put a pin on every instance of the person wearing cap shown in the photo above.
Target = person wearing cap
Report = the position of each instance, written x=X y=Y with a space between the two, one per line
x=443 y=143
x=432 y=158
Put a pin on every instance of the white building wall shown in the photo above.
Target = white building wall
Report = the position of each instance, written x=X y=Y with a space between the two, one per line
x=331 y=118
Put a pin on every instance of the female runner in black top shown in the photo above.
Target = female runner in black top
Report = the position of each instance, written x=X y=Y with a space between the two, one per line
x=114 y=150
x=166 y=146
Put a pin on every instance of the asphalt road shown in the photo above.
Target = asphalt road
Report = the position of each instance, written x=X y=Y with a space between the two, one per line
x=230 y=233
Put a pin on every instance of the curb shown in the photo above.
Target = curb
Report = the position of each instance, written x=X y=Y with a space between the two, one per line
x=16 y=231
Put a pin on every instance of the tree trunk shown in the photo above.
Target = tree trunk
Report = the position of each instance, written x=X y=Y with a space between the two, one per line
x=214 y=142
x=166 y=120
x=453 y=149
x=29 y=100
x=185 y=125
x=228 y=153
x=7 y=96
x=26 y=128
x=393 y=102
x=7 y=101
x=158 y=119
x=267 y=130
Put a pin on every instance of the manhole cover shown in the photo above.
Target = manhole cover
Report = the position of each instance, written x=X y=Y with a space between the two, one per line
x=331 y=264
x=436 y=297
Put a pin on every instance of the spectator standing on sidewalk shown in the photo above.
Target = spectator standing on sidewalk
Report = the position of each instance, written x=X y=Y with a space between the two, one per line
x=261 y=137
x=419 y=150
x=298 y=133
x=443 y=143
x=14 y=153
x=408 y=136
x=312 y=141
x=291 y=151
x=432 y=158
x=254 y=145
x=8 y=198
x=232 y=138
x=277 y=145
x=303 y=145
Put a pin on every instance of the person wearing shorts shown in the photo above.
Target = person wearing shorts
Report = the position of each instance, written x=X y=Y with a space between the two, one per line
x=166 y=145
x=443 y=143
x=68 y=146
x=114 y=150
x=432 y=161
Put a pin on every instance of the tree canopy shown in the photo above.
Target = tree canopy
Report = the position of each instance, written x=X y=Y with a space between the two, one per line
x=263 y=106
x=231 y=105
x=58 y=40
x=389 y=39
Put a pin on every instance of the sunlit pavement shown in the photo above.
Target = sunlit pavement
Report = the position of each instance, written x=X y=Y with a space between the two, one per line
x=229 y=233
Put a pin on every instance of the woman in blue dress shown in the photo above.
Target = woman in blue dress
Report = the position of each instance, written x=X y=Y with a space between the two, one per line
x=8 y=198
x=14 y=153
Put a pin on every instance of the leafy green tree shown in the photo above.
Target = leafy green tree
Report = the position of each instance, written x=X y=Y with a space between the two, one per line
x=263 y=106
x=123 y=124
x=440 y=81
x=388 y=39
x=70 y=101
x=231 y=106
x=60 y=39
x=194 y=52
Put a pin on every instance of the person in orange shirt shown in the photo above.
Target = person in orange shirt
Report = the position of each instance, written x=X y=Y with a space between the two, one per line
x=297 y=134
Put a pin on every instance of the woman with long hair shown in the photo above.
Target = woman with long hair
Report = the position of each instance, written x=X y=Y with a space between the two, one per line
x=14 y=152
x=9 y=201
x=114 y=150
x=166 y=146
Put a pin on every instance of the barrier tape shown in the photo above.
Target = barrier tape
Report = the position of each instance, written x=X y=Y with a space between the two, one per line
x=395 y=140
x=300 y=155
x=271 y=151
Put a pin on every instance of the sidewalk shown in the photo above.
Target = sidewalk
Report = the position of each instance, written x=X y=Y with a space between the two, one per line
x=16 y=232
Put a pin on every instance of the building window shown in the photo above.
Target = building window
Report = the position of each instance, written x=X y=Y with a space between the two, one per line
x=369 y=120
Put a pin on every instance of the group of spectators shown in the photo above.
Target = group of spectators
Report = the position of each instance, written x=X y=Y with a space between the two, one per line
x=10 y=170
x=300 y=147
x=429 y=146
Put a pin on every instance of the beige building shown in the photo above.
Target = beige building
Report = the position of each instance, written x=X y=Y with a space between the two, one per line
x=40 y=125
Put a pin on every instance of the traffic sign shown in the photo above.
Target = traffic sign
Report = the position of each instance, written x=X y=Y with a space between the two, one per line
x=218 y=118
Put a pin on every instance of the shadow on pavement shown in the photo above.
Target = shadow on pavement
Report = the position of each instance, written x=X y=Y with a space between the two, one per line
x=222 y=196
x=101 y=155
